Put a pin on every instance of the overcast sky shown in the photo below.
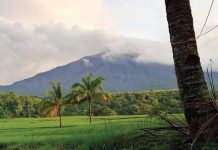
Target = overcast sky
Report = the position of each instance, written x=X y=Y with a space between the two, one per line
x=38 y=35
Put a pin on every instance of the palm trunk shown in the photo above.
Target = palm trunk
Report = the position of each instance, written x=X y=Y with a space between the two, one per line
x=90 y=112
x=198 y=105
x=59 y=109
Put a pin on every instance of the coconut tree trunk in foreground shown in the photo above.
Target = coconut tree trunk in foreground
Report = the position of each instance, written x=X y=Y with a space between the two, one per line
x=90 y=112
x=198 y=105
x=59 y=109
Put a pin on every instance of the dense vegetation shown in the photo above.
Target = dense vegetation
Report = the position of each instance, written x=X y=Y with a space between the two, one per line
x=12 y=105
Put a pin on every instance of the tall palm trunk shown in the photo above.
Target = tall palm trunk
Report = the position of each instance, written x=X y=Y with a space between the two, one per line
x=198 y=105
x=90 y=112
x=60 y=120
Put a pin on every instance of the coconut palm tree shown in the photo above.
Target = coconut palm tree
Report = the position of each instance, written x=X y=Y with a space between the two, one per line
x=88 y=90
x=55 y=103
x=198 y=105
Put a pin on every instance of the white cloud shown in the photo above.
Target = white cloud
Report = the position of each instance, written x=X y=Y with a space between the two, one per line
x=141 y=51
x=87 y=62
x=27 y=51
x=30 y=43
x=133 y=18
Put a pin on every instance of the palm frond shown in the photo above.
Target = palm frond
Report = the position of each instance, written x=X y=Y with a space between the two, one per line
x=106 y=97
x=47 y=106
x=67 y=99
x=78 y=86
x=76 y=96
x=56 y=91
x=55 y=98
x=86 y=82
x=59 y=91
x=50 y=93
x=96 y=84
x=87 y=89
x=81 y=99
x=80 y=96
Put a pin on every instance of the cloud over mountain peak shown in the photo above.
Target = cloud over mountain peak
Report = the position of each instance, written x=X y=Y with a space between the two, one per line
x=26 y=51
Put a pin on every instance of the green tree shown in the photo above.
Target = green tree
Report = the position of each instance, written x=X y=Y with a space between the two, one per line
x=88 y=90
x=55 y=103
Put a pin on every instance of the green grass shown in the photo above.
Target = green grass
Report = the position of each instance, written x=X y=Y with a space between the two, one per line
x=76 y=133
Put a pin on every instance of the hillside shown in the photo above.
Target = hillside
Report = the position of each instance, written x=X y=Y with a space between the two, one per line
x=122 y=73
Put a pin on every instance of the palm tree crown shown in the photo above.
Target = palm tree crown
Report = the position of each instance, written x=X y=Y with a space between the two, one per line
x=55 y=103
x=88 y=90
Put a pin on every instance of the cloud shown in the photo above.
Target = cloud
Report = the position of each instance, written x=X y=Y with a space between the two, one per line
x=142 y=51
x=87 y=62
x=88 y=14
x=133 y=18
x=26 y=51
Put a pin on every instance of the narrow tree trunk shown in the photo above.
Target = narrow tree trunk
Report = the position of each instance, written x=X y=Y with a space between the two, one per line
x=198 y=105
x=90 y=112
x=59 y=109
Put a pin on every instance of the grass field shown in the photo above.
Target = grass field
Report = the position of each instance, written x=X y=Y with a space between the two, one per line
x=76 y=133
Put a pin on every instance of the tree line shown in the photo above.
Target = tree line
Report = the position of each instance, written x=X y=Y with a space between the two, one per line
x=13 y=105
x=54 y=103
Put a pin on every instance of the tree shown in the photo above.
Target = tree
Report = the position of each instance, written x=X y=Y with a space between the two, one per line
x=199 y=108
x=55 y=103
x=88 y=90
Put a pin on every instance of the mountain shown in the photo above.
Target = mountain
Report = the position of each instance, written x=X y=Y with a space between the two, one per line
x=122 y=73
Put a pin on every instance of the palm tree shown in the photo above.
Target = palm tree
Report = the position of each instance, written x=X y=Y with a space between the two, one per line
x=55 y=103
x=198 y=105
x=88 y=90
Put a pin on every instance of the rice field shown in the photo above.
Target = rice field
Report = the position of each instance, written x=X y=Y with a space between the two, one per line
x=76 y=133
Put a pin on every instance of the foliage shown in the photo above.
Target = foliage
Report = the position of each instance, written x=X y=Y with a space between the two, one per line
x=12 y=105
x=88 y=90
x=55 y=104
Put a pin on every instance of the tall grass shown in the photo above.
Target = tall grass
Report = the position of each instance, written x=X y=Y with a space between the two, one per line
x=77 y=132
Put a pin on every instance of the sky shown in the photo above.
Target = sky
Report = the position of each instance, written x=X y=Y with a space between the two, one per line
x=38 y=35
